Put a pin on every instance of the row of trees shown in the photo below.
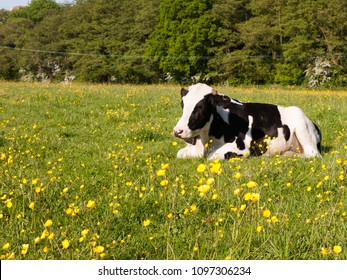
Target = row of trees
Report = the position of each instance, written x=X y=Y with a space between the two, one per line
x=140 y=41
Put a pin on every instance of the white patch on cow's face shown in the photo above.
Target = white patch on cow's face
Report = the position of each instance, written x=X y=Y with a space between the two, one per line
x=196 y=93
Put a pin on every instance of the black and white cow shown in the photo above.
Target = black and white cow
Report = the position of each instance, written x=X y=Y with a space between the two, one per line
x=220 y=127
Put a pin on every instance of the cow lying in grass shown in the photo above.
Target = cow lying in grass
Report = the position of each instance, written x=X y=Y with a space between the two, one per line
x=220 y=127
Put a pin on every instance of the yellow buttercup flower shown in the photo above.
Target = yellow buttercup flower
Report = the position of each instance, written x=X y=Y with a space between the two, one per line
x=24 y=249
x=48 y=223
x=6 y=246
x=91 y=204
x=337 y=249
x=34 y=181
x=192 y=208
x=324 y=251
x=248 y=196
x=98 y=249
x=164 y=183
x=32 y=205
x=65 y=243
x=84 y=232
x=146 y=223
x=216 y=167
x=255 y=197
x=204 y=189
x=210 y=181
x=8 y=204
x=160 y=172
x=251 y=184
x=201 y=168
x=266 y=213
x=165 y=166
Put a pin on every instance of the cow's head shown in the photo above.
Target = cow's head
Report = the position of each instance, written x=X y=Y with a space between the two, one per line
x=198 y=104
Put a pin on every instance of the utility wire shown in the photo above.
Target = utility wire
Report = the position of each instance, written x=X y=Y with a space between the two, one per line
x=153 y=57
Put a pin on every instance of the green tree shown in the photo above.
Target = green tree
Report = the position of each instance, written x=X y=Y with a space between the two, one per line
x=315 y=30
x=182 y=39
x=110 y=36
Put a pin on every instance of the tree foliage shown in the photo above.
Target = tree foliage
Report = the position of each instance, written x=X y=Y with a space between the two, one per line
x=139 y=41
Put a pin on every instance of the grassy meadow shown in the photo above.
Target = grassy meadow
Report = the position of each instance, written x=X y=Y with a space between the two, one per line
x=90 y=172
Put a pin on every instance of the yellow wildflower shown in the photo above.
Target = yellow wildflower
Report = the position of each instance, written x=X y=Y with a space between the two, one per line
x=216 y=167
x=251 y=184
x=34 y=181
x=169 y=216
x=204 y=189
x=165 y=166
x=146 y=223
x=255 y=197
x=337 y=249
x=210 y=181
x=98 y=249
x=201 y=168
x=65 y=243
x=248 y=196
x=259 y=228
x=243 y=207
x=8 y=204
x=24 y=249
x=48 y=223
x=192 y=208
x=164 y=183
x=160 y=172
x=32 y=205
x=266 y=213
x=324 y=251
x=6 y=246
x=85 y=232
x=91 y=204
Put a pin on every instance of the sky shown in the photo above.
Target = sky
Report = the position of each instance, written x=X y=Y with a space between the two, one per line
x=9 y=4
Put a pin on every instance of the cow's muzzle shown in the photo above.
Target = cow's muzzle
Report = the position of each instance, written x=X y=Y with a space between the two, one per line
x=178 y=133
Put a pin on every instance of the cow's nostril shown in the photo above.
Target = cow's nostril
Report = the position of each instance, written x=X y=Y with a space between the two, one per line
x=178 y=133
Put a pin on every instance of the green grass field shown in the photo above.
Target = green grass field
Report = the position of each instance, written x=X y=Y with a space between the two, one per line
x=90 y=172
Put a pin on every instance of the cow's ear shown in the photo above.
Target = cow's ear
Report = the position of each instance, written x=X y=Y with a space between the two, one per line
x=184 y=92
x=220 y=100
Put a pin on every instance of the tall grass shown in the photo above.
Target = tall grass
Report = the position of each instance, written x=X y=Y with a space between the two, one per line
x=89 y=172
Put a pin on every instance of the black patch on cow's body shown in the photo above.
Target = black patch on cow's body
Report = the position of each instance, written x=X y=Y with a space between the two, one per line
x=229 y=155
x=240 y=143
x=286 y=132
x=319 y=147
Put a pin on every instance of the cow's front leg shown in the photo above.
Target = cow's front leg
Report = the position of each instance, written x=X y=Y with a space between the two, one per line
x=192 y=151
x=227 y=151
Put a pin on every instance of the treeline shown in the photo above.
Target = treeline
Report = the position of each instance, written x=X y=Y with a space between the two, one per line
x=288 y=42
